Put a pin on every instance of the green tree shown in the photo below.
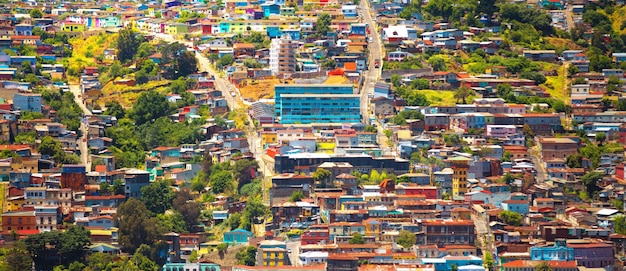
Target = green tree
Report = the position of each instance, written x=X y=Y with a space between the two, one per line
x=543 y=266
x=114 y=108
x=396 y=80
x=36 y=13
x=489 y=263
x=225 y=60
x=438 y=62
x=323 y=177
x=511 y=218
x=329 y=64
x=186 y=64
x=100 y=261
x=619 y=224
x=590 y=180
x=357 y=238
x=574 y=161
x=135 y=226
x=322 y=25
x=463 y=93
x=600 y=138
x=296 y=196
x=407 y=239
x=127 y=44
x=221 y=181
x=253 y=188
x=171 y=222
x=145 y=49
x=572 y=70
x=16 y=258
x=141 y=77
x=157 y=196
x=150 y=106
x=247 y=256
x=66 y=247
x=255 y=210
x=189 y=209
x=440 y=8
x=194 y=256
x=371 y=129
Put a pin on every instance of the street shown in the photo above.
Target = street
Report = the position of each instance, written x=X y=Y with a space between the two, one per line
x=538 y=163
x=372 y=74
x=82 y=141
x=294 y=247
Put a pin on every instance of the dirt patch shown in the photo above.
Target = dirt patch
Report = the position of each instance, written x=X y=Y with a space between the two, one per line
x=563 y=43
x=260 y=89
x=226 y=259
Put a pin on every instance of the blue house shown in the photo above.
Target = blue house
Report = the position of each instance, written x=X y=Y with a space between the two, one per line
x=24 y=30
x=448 y=263
x=27 y=102
x=166 y=152
x=237 y=236
x=293 y=33
x=558 y=252
x=270 y=8
x=358 y=29
x=518 y=206
x=273 y=31
x=173 y=3
x=17 y=60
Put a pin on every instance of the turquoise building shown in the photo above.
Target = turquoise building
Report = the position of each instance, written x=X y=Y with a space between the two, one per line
x=237 y=236
x=305 y=104
x=558 y=252
x=449 y=263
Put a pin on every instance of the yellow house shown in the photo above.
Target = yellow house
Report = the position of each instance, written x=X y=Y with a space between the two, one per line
x=372 y=228
x=73 y=27
x=460 y=166
x=268 y=138
x=275 y=257
x=14 y=204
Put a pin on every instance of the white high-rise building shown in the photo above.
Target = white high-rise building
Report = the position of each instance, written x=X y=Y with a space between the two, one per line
x=283 y=55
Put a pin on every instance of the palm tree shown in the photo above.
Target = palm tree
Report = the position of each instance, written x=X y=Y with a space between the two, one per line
x=543 y=266
x=463 y=93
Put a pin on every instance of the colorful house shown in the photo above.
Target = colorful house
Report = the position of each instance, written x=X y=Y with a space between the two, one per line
x=72 y=27
x=237 y=236
x=176 y=29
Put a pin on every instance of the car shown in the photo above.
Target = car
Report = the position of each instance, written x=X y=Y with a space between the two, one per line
x=288 y=250
x=232 y=93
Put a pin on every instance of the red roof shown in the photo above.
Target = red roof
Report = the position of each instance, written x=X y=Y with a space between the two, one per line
x=14 y=147
x=27 y=232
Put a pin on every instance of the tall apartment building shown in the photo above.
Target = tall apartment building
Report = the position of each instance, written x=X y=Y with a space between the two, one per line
x=283 y=55
x=316 y=104
x=460 y=167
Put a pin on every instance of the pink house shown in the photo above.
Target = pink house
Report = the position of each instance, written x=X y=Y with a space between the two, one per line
x=501 y=130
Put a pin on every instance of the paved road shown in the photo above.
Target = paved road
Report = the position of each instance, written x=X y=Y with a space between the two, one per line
x=294 y=246
x=372 y=75
x=539 y=166
x=82 y=142
x=374 y=48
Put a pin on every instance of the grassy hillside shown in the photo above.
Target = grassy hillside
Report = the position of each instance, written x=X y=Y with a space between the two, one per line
x=85 y=52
